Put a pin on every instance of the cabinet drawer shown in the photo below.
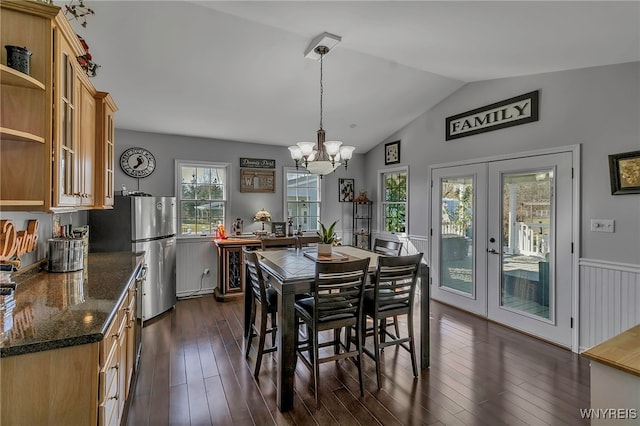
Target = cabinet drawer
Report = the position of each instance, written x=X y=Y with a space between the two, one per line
x=110 y=338
x=108 y=412
x=108 y=375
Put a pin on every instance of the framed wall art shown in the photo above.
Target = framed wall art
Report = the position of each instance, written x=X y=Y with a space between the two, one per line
x=345 y=190
x=258 y=180
x=392 y=153
x=624 y=173
x=279 y=229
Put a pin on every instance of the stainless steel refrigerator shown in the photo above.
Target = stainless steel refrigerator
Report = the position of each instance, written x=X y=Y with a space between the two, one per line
x=142 y=223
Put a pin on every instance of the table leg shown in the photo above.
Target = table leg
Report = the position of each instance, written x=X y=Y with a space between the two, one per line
x=424 y=316
x=286 y=348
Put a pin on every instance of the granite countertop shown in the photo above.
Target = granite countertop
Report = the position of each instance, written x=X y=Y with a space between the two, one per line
x=621 y=352
x=55 y=310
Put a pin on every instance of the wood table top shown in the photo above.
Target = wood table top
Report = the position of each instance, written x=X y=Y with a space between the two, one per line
x=621 y=352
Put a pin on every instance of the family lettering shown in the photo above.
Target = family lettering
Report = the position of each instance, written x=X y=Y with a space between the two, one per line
x=511 y=112
x=16 y=243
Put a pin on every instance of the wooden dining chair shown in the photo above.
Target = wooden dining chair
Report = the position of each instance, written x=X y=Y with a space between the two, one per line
x=305 y=240
x=278 y=243
x=336 y=304
x=266 y=299
x=393 y=295
x=389 y=248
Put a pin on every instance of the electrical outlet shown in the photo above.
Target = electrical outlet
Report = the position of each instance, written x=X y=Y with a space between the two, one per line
x=602 y=225
x=206 y=271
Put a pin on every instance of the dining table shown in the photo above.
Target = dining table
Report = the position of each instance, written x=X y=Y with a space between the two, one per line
x=291 y=271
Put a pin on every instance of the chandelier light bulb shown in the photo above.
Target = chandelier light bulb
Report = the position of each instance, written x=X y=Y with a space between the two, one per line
x=306 y=148
x=332 y=147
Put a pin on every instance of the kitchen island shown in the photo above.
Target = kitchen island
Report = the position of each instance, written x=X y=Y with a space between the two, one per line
x=69 y=343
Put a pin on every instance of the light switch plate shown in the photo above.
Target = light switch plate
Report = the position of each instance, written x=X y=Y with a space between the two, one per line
x=602 y=225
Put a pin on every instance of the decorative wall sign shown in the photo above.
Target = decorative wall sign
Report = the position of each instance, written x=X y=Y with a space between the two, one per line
x=624 y=172
x=137 y=162
x=15 y=243
x=392 y=153
x=279 y=229
x=257 y=180
x=510 y=112
x=257 y=163
x=345 y=190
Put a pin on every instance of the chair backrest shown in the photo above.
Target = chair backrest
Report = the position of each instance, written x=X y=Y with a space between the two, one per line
x=256 y=279
x=278 y=243
x=338 y=292
x=305 y=240
x=395 y=282
x=389 y=248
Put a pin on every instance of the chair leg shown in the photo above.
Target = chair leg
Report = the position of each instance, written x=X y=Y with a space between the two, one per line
x=376 y=347
x=316 y=369
x=252 y=322
x=412 y=347
x=396 y=326
x=274 y=327
x=263 y=331
x=359 y=345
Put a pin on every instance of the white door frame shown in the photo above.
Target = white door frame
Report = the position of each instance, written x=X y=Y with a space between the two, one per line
x=575 y=151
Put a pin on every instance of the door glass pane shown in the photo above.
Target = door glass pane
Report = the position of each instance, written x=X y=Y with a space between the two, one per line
x=456 y=234
x=526 y=224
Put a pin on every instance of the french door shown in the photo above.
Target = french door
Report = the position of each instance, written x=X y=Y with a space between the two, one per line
x=502 y=242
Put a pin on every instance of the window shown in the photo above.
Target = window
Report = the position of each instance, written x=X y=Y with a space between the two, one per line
x=202 y=196
x=394 y=200
x=303 y=199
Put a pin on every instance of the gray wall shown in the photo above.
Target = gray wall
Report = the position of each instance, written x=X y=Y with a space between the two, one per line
x=598 y=108
x=167 y=148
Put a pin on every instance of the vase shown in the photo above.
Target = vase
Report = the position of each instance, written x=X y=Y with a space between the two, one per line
x=324 y=249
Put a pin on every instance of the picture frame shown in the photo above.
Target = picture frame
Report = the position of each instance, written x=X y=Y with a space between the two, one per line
x=279 y=229
x=257 y=180
x=345 y=190
x=391 y=153
x=624 y=173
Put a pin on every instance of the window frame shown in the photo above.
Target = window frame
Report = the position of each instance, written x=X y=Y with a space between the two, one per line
x=226 y=199
x=285 y=171
x=382 y=203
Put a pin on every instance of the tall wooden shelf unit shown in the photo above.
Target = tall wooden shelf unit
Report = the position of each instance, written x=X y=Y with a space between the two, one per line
x=362 y=213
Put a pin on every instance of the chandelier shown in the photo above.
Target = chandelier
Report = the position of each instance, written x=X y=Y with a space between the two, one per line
x=325 y=157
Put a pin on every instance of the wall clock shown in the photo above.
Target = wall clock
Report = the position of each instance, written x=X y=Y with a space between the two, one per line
x=137 y=162
x=392 y=152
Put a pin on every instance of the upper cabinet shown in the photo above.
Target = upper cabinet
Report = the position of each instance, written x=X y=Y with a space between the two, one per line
x=105 y=132
x=52 y=122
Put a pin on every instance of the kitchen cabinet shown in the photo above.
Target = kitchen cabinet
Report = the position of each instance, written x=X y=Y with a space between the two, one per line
x=25 y=109
x=105 y=144
x=51 y=157
x=83 y=374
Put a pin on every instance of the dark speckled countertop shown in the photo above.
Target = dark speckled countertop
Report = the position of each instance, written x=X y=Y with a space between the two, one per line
x=54 y=310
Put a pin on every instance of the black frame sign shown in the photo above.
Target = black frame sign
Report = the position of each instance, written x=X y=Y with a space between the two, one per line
x=257 y=163
x=510 y=112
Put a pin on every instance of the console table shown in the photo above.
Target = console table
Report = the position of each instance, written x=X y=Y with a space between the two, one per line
x=230 y=267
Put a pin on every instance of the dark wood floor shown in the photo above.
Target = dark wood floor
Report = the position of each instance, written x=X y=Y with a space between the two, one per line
x=193 y=372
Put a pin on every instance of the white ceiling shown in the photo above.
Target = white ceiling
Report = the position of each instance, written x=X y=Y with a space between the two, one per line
x=236 y=70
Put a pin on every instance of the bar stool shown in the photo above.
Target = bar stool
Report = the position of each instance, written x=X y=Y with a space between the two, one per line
x=389 y=248
x=267 y=298
x=278 y=243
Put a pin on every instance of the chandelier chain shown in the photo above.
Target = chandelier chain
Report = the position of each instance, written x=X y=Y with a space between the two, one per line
x=321 y=88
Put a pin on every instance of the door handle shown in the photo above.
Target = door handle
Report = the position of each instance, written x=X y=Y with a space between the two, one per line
x=493 y=251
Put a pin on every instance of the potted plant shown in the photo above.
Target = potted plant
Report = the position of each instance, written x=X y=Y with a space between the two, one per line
x=327 y=237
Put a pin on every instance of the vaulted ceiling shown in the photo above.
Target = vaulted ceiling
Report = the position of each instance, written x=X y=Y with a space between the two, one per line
x=236 y=70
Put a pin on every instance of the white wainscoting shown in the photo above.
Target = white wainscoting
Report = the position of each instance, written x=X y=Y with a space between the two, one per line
x=411 y=244
x=193 y=256
x=609 y=300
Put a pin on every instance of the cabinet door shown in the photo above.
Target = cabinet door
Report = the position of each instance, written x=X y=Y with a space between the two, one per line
x=66 y=147
x=87 y=136
x=104 y=161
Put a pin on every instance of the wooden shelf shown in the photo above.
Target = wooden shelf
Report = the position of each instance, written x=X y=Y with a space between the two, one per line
x=17 y=135
x=16 y=78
